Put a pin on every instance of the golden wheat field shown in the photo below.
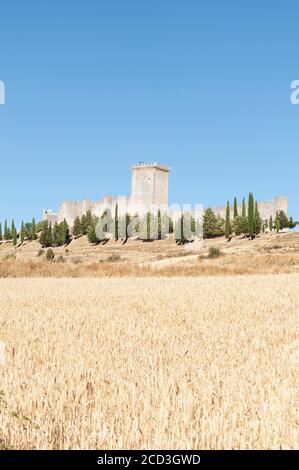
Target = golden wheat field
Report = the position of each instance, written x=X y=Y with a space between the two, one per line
x=202 y=363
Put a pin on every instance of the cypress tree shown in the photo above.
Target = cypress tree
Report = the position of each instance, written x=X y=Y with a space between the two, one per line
x=14 y=234
x=77 y=229
x=243 y=207
x=89 y=219
x=84 y=226
x=116 y=222
x=6 y=231
x=1 y=238
x=22 y=233
x=91 y=234
x=46 y=239
x=257 y=220
x=271 y=223
x=277 y=223
x=166 y=225
x=159 y=225
x=284 y=221
x=179 y=229
x=56 y=235
x=12 y=227
x=235 y=208
x=50 y=235
x=33 y=230
x=64 y=233
x=148 y=226
x=228 y=229
x=250 y=215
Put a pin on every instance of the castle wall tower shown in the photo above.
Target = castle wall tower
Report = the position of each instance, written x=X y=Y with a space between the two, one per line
x=149 y=185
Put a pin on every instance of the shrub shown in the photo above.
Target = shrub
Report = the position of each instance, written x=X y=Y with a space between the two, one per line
x=40 y=252
x=50 y=254
x=214 y=252
x=60 y=259
x=10 y=256
x=113 y=258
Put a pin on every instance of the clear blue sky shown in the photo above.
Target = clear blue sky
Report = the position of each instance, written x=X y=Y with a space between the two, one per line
x=94 y=86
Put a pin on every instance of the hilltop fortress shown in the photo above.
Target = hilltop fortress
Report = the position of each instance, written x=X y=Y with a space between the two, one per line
x=149 y=189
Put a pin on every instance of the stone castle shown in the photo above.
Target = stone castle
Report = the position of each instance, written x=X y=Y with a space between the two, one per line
x=149 y=189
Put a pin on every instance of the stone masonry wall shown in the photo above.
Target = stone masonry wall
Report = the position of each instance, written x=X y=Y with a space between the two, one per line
x=266 y=208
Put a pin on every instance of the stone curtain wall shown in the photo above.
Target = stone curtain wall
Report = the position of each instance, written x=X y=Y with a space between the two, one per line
x=266 y=208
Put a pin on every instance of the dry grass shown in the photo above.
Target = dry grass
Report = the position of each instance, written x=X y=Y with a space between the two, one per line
x=149 y=363
x=264 y=255
x=188 y=265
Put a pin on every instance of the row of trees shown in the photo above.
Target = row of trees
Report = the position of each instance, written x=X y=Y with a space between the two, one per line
x=248 y=223
x=58 y=235
x=150 y=227
x=28 y=231
x=158 y=226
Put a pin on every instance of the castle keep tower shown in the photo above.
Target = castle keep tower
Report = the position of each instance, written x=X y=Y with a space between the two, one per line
x=149 y=184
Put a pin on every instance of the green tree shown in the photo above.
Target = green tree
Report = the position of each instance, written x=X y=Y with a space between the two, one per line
x=159 y=225
x=243 y=207
x=277 y=223
x=33 y=235
x=14 y=234
x=116 y=222
x=77 y=230
x=89 y=218
x=235 y=208
x=12 y=229
x=149 y=227
x=84 y=225
x=6 y=234
x=64 y=232
x=179 y=229
x=211 y=224
x=1 y=236
x=39 y=227
x=170 y=225
x=46 y=236
x=240 y=226
x=22 y=233
x=251 y=215
x=257 y=220
x=91 y=234
x=228 y=228
x=56 y=235
x=271 y=223
x=166 y=225
x=284 y=221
